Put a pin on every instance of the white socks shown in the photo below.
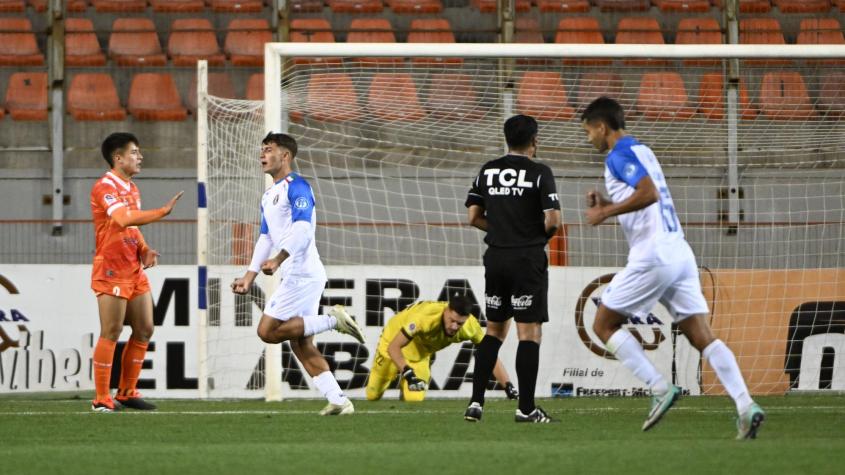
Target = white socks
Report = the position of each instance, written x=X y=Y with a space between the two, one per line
x=629 y=351
x=723 y=361
x=329 y=388
x=318 y=324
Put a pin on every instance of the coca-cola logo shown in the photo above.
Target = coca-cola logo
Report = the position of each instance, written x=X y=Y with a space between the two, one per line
x=521 y=302
x=493 y=301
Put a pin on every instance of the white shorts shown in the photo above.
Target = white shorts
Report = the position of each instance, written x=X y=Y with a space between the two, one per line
x=636 y=289
x=295 y=298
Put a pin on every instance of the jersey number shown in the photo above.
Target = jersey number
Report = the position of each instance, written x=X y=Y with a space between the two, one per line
x=667 y=211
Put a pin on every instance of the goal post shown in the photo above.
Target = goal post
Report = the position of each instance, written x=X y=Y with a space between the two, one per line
x=391 y=135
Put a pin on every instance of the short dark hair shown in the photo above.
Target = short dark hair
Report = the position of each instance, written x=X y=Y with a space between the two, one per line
x=605 y=110
x=114 y=142
x=520 y=130
x=282 y=140
x=461 y=304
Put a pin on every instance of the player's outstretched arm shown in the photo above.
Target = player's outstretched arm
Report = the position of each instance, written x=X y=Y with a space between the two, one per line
x=126 y=217
x=644 y=195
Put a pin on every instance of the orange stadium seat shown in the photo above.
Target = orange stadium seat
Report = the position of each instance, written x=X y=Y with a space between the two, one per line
x=119 y=6
x=134 y=42
x=76 y=6
x=332 y=98
x=237 y=6
x=94 y=97
x=393 y=97
x=580 y=30
x=802 y=6
x=623 y=5
x=153 y=96
x=219 y=84
x=38 y=5
x=711 y=98
x=699 y=6
x=840 y=4
x=820 y=31
x=541 y=94
x=81 y=45
x=177 y=6
x=12 y=6
x=356 y=6
x=783 y=95
x=26 y=96
x=453 y=97
x=372 y=30
x=192 y=39
x=17 y=43
x=699 y=31
x=490 y=6
x=640 y=31
x=306 y=6
x=312 y=30
x=244 y=43
x=591 y=86
x=563 y=6
x=432 y=30
x=749 y=6
x=831 y=100
x=255 y=87
x=663 y=96
x=762 y=31
x=415 y=6
x=527 y=30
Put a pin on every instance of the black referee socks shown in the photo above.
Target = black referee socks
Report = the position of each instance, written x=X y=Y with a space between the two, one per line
x=527 y=362
x=485 y=359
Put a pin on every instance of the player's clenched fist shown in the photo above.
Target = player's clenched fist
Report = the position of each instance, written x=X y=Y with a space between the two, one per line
x=414 y=383
x=241 y=286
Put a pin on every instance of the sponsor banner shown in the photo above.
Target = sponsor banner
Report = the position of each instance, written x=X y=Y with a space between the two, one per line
x=49 y=325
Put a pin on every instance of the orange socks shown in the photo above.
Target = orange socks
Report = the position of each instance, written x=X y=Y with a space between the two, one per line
x=130 y=366
x=103 y=355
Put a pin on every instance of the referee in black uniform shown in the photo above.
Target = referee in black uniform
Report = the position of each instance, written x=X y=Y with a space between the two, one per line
x=514 y=200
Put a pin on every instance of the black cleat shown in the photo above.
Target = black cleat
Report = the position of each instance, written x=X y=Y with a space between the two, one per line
x=135 y=401
x=537 y=416
x=473 y=412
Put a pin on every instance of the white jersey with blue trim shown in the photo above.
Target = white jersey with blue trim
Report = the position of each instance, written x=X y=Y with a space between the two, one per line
x=654 y=232
x=287 y=201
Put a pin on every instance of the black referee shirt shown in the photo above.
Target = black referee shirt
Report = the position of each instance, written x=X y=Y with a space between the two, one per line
x=515 y=191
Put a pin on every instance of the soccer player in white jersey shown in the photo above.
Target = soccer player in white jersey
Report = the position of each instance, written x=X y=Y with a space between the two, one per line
x=661 y=267
x=288 y=221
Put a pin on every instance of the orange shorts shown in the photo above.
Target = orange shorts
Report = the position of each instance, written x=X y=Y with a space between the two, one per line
x=124 y=290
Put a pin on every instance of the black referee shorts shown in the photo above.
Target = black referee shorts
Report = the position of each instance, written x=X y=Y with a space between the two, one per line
x=516 y=284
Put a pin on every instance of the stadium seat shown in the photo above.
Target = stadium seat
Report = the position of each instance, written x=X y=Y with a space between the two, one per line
x=840 y=4
x=76 y=6
x=527 y=30
x=783 y=96
x=541 y=94
x=699 y=31
x=244 y=43
x=432 y=30
x=81 y=45
x=306 y=6
x=662 y=96
x=762 y=31
x=393 y=97
x=623 y=5
x=453 y=97
x=94 y=97
x=192 y=39
x=802 y=6
x=820 y=31
x=17 y=43
x=749 y=6
x=591 y=86
x=38 y=5
x=415 y=6
x=26 y=96
x=490 y=6
x=12 y=6
x=153 y=96
x=581 y=30
x=332 y=98
x=119 y=6
x=640 y=31
x=177 y=6
x=372 y=30
x=312 y=30
x=711 y=98
x=699 y=6
x=237 y=6
x=831 y=100
x=563 y=6
x=219 y=84
x=356 y=6
x=134 y=42
x=255 y=87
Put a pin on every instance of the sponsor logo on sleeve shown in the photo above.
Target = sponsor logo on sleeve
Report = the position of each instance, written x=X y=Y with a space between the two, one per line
x=109 y=199
x=630 y=170
x=301 y=203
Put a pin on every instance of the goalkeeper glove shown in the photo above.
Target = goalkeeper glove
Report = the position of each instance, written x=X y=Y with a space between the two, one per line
x=414 y=383
x=511 y=391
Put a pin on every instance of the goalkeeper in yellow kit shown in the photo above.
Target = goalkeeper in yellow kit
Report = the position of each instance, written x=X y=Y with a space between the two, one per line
x=413 y=335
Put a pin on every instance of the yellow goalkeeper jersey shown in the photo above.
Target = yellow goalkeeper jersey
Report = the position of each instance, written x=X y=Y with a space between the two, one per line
x=422 y=323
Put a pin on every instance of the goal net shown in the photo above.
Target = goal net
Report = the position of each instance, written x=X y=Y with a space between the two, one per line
x=391 y=136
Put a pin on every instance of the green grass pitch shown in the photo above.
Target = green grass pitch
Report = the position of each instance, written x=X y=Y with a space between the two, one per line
x=50 y=435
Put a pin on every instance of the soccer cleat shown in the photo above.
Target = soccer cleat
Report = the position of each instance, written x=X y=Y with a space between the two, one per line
x=473 y=412
x=345 y=323
x=537 y=416
x=344 y=409
x=105 y=405
x=134 y=400
x=659 y=406
x=749 y=422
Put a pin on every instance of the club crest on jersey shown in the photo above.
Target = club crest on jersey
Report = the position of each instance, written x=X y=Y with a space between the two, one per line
x=629 y=170
x=276 y=199
x=109 y=199
x=412 y=327
x=300 y=203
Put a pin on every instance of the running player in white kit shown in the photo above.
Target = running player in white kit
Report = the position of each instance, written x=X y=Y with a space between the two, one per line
x=661 y=267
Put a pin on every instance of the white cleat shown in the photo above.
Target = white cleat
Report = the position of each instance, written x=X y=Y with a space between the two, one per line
x=345 y=323
x=344 y=409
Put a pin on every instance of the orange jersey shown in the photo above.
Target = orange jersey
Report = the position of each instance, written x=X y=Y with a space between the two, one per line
x=116 y=257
